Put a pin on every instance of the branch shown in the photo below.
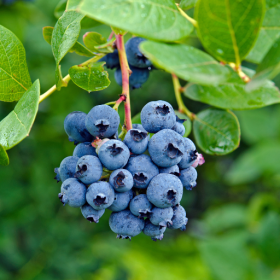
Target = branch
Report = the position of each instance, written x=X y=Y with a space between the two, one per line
x=191 y=20
x=241 y=74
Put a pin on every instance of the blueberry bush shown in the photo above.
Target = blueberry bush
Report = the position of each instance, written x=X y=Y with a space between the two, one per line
x=221 y=57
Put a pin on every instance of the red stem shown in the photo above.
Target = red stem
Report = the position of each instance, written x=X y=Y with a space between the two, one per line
x=125 y=80
x=120 y=100
x=111 y=35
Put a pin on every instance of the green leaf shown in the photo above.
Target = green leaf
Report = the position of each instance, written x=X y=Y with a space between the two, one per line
x=232 y=94
x=269 y=33
x=65 y=35
x=94 y=42
x=17 y=125
x=186 y=62
x=187 y=124
x=78 y=48
x=89 y=23
x=14 y=75
x=60 y=8
x=187 y=4
x=91 y=77
x=268 y=69
x=72 y=4
x=254 y=162
x=136 y=119
x=4 y=159
x=228 y=29
x=156 y=19
x=216 y=132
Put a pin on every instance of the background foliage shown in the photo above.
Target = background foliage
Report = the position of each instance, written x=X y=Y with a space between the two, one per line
x=234 y=213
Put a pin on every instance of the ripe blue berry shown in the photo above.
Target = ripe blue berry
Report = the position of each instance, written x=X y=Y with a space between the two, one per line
x=111 y=59
x=155 y=232
x=179 y=219
x=121 y=180
x=188 y=178
x=100 y=195
x=157 y=115
x=137 y=78
x=179 y=127
x=67 y=169
x=137 y=141
x=165 y=190
x=142 y=169
x=174 y=170
x=84 y=149
x=190 y=154
x=74 y=126
x=134 y=56
x=89 y=169
x=73 y=193
x=102 y=121
x=140 y=206
x=91 y=214
x=166 y=148
x=161 y=216
x=125 y=224
x=139 y=127
x=113 y=154
x=121 y=201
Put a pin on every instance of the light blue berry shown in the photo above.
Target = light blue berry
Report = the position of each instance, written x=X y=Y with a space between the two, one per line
x=91 y=214
x=155 y=232
x=161 y=216
x=67 y=168
x=140 y=206
x=121 y=180
x=174 y=170
x=188 y=177
x=179 y=219
x=137 y=141
x=84 y=149
x=190 y=154
x=121 y=201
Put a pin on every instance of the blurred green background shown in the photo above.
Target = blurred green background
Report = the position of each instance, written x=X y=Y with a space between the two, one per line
x=234 y=213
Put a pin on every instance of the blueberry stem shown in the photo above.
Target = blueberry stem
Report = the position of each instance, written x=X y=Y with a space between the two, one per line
x=118 y=102
x=180 y=102
x=67 y=78
x=241 y=74
x=191 y=20
x=125 y=80
x=110 y=103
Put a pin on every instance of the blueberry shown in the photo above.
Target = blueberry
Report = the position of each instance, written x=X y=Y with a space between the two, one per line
x=155 y=232
x=166 y=148
x=91 y=214
x=89 y=169
x=73 y=193
x=139 y=127
x=74 y=126
x=179 y=127
x=137 y=78
x=165 y=190
x=84 y=149
x=121 y=201
x=113 y=154
x=134 y=56
x=190 y=154
x=140 y=206
x=157 y=115
x=111 y=59
x=125 y=224
x=162 y=216
x=100 y=195
x=137 y=141
x=142 y=169
x=57 y=176
x=188 y=178
x=179 y=219
x=102 y=121
x=67 y=168
x=121 y=180
x=174 y=170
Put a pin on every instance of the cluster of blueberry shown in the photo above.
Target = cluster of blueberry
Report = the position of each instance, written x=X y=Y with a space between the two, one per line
x=139 y=65
x=140 y=179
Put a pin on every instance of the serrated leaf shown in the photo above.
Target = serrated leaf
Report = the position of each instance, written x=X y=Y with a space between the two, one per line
x=186 y=62
x=155 y=19
x=187 y=124
x=94 y=40
x=216 y=132
x=65 y=35
x=232 y=94
x=187 y=4
x=228 y=29
x=78 y=48
x=14 y=75
x=91 y=77
x=4 y=158
x=60 y=8
x=251 y=164
x=268 y=69
x=17 y=125
x=269 y=33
